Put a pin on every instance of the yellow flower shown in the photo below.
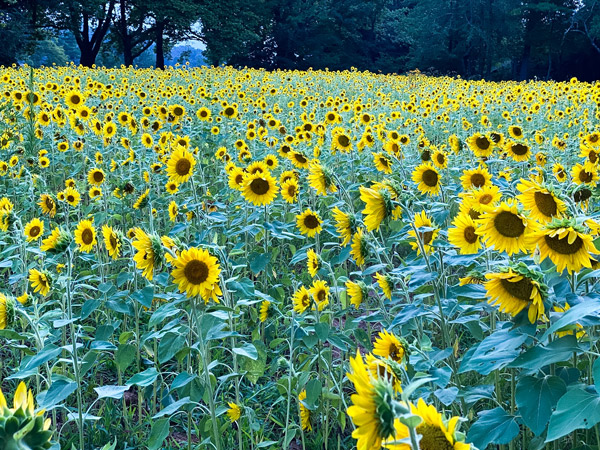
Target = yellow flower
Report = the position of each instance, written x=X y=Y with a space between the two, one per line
x=85 y=236
x=304 y=412
x=312 y=262
x=260 y=188
x=234 y=412
x=387 y=345
x=425 y=237
x=309 y=223
x=377 y=206
x=506 y=229
x=180 y=166
x=320 y=293
x=195 y=271
x=385 y=283
x=301 y=300
x=264 y=310
x=427 y=179
x=112 y=241
x=34 y=229
x=40 y=281
x=463 y=234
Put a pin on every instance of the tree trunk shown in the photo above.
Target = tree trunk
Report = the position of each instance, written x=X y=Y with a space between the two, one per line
x=160 y=48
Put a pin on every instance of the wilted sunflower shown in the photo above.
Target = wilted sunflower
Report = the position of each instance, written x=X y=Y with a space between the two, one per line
x=313 y=262
x=319 y=291
x=301 y=300
x=263 y=314
x=515 y=289
x=505 y=228
x=475 y=178
x=34 y=229
x=309 y=223
x=180 y=166
x=48 y=205
x=40 y=281
x=96 y=177
x=436 y=432
x=85 y=236
x=543 y=205
x=321 y=179
x=427 y=179
x=388 y=345
x=378 y=206
x=371 y=410
x=463 y=235
x=426 y=237
x=195 y=270
x=260 y=188
x=565 y=243
x=357 y=291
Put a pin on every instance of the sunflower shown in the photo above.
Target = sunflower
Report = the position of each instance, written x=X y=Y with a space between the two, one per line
x=378 y=206
x=195 y=270
x=440 y=159
x=387 y=345
x=565 y=243
x=582 y=176
x=485 y=198
x=386 y=284
x=505 y=228
x=40 y=281
x=7 y=307
x=515 y=132
x=309 y=223
x=313 y=262
x=357 y=291
x=344 y=225
x=34 y=229
x=425 y=237
x=435 y=431
x=96 y=177
x=384 y=370
x=515 y=289
x=360 y=247
x=518 y=151
x=543 y=205
x=58 y=241
x=142 y=200
x=475 y=178
x=427 y=179
x=559 y=172
x=382 y=162
x=304 y=412
x=85 y=236
x=180 y=166
x=234 y=412
x=463 y=235
x=321 y=179
x=112 y=241
x=48 y=205
x=319 y=291
x=264 y=310
x=72 y=196
x=289 y=190
x=341 y=141
x=149 y=252
x=173 y=211
x=371 y=411
x=260 y=188
x=74 y=99
x=480 y=145
x=299 y=159
x=301 y=300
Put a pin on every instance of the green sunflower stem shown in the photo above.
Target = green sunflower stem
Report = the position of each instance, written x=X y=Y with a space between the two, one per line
x=414 y=440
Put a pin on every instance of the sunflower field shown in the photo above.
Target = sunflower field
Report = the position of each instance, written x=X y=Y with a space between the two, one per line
x=213 y=258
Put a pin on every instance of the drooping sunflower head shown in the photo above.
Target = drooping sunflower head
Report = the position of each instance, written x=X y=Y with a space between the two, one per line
x=541 y=202
x=7 y=310
x=388 y=345
x=320 y=178
x=378 y=206
x=386 y=284
x=357 y=291
x=57 y=242
x=360 y=247
x=313 y=262
x=345 y=225
x=112 y=241
x=149 y=252
x=40 y=281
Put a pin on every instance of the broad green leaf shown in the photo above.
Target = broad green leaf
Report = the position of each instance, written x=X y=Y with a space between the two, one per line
x=536 y=397
x=575 y=313
x=258 y=262
x=58 y=392
x=158 y=434
x=578 y=408
x=111 y=391
x=172 y=408
x=494 y=426
x=540 y=356
x=248 y=350
x=494 y=352
x=170 y=344
x=145 y=378
x=124 y=356
x=255 y=368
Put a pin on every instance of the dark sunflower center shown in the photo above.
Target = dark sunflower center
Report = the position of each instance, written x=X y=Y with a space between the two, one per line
x=482 y=142
x=396 y=352
x=75 y=99
x=441 y=158
x=384 y=162
x=321 y=296
x=35 y=230
x=49 y=203
x=520 y=149
x=433 y=438
x=300 y=158
x=562 y=246
x=292 y=191
x=430 y=178
x=469 y=235
x=196 y=272
x=485 y=199
x=426 y=237
x=474 y=214
x=229 y=111
x=311 y=222
x=517 y=131
x=239 y=178
x=344 y=140
x=183 y=166
x=426 y=155
x=593 y=156
x=545 y=203
x=495 y=137
x=178 y=111
x=594 y=138
x=520 y=289
x=585 y=176
x=70 y=198
x=259 y=186
x=582 y=195
x=98 y=176
x=477 y=180
x=87 y=236
x=113 y=241
x=509 y=224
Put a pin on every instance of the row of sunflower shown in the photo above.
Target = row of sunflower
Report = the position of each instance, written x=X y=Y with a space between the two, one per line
x=239 y=258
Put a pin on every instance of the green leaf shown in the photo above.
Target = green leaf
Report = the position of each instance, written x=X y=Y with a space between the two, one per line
x=158 y=434
x=111 y=391
x=58 y=392
x=596 y=373
x=540 y=356
x=124 y=356
x=144 y=296
x=255 y=368
x=494 y=426
x=258 y=262
x=172 y=408
x=145 y=378
x=110 y=446
x=574 y=314
x=247 y=350
x=313 y=392
x=494 y=352
x=322 y=330
x=578 y=408
x=170 y=344
x=536 y=397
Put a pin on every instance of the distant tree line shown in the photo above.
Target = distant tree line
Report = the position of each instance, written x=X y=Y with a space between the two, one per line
x=492 y=39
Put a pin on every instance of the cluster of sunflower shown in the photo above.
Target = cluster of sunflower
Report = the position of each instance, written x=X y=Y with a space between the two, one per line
x=180 y=172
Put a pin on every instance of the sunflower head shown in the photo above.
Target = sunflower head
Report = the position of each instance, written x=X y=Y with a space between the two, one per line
x=7 y=310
